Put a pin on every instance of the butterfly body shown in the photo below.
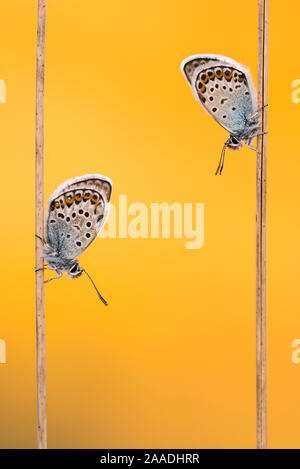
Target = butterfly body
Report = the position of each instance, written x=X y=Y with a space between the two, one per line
x=225 y=90
x=76 y=213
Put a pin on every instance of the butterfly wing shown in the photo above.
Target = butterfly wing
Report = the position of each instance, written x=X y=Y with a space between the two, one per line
x=224 y=88
x=193 y=62
x=76 y=212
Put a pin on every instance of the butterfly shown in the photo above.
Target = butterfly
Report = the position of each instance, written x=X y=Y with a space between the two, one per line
x=224 y=88
x=76 y=212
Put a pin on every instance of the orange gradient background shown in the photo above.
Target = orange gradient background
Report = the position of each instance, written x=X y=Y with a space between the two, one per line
x=171 y=362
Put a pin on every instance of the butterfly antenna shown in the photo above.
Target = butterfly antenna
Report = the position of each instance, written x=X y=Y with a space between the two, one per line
x=101 y=297
x=221 y=162
x=222 y=166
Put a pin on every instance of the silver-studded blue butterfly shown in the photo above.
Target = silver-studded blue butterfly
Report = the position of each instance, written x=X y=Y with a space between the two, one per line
x=76 y=213
x=224 y=88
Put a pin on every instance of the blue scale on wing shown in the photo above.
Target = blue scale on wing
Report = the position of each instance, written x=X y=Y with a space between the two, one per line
x=224 y=93
x=240 y=109
x=73 y=226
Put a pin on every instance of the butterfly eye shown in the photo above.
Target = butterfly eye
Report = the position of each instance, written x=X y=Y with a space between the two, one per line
x=74 y=269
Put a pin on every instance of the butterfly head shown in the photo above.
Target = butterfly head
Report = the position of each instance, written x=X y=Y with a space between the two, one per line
x=74 y=270
x=233 y=142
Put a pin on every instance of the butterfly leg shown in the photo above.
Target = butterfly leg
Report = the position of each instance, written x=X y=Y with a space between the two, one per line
x=41 y=239
x=248 y=143
x=265 y=105
x=42 y=268
x=255 y=115
x=53 y=278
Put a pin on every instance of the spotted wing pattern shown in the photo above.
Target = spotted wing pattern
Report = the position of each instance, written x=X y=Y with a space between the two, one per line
x=76 y=213
x=193 y=62
x=223 y=87
x=225 y=94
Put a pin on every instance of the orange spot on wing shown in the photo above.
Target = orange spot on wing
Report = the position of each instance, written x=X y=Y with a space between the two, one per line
x=204 y=77
x=228 y=77
x=69 y=200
